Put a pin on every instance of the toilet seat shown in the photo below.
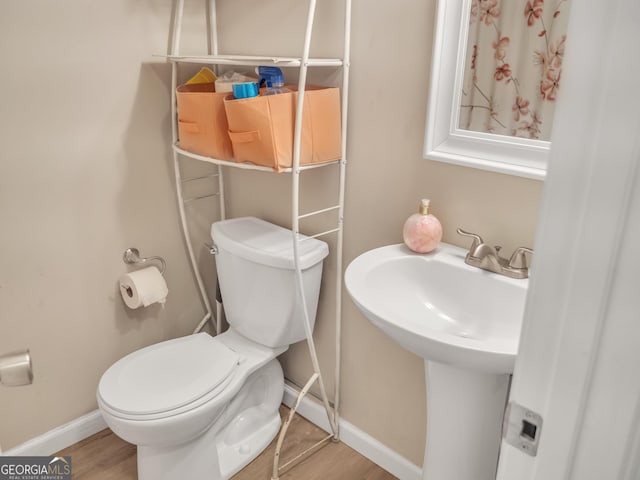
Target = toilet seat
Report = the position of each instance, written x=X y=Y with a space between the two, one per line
x=168 y=378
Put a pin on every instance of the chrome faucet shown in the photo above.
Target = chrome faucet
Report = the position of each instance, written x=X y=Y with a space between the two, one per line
x=488 y=258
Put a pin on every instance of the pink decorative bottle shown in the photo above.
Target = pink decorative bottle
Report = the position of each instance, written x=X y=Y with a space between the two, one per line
x=422 y=231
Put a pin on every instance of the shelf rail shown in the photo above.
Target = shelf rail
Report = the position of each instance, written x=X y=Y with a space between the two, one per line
x=295 y=213
x=247 y=60
x=175 y=48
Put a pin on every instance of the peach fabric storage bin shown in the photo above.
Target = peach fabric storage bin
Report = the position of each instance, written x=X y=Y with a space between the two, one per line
x=202 y=122
x=261 y=128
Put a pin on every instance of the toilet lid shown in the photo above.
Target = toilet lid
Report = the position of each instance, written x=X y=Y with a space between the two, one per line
x=265 y=243
x=167 y=375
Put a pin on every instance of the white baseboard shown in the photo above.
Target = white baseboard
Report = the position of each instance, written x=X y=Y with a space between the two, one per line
x=62 y=437
x=355 y=438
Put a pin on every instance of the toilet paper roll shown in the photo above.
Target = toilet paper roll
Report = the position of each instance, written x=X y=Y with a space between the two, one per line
x=143 y=288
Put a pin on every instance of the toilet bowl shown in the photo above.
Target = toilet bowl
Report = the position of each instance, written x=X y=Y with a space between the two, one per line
x=231 y=392
x=202 y=406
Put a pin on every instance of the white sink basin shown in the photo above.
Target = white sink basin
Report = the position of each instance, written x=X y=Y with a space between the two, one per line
x=465 y=323
x=440 y=308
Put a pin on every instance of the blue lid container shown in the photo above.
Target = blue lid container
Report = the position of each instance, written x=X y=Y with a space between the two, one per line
x=245 y=90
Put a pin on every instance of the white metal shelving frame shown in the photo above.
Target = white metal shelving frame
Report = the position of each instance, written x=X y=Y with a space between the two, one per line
x=303 y=63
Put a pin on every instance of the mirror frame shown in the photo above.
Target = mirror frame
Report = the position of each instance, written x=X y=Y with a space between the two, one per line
x=444 y=141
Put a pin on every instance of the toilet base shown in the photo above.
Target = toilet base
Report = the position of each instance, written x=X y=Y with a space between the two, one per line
x=240 y=434
x=234 y=458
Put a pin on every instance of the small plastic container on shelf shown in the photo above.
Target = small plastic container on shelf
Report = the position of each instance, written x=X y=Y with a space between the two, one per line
x=261 y=128
x=245 y=90
x=205 y=75
x=202 y=122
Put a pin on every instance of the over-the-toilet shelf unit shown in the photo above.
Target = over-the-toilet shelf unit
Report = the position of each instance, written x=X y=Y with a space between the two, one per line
x=303 y=63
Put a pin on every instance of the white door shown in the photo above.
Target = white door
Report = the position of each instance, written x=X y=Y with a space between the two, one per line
x=579 y=361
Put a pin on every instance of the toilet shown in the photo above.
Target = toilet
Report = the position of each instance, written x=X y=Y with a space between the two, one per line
x=203 y=407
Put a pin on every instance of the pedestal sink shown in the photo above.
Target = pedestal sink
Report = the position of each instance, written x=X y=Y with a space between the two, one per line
x=465 y=323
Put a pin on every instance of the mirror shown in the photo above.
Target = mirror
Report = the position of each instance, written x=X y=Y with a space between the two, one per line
x=492 y=116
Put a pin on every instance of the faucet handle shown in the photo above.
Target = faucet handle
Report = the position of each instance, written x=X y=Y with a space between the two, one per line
x=477 y=239
x=518 y=258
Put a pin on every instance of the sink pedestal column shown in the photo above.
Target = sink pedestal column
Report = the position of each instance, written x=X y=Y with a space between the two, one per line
x=464 y=422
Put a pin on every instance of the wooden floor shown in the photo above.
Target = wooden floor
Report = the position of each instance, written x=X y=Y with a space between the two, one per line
x=104 y=456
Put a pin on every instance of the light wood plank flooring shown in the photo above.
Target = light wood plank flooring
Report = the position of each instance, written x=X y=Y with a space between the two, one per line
x=104 y=456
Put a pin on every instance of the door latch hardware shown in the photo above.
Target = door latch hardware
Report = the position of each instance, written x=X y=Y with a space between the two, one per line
x=522 y=428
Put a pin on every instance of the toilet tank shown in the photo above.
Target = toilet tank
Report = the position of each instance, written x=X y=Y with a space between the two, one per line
x=256 y=273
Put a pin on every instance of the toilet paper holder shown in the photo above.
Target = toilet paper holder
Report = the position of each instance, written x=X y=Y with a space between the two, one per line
x=131 y=256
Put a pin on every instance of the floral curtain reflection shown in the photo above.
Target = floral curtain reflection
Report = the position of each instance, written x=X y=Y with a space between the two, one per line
x=513 y=66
